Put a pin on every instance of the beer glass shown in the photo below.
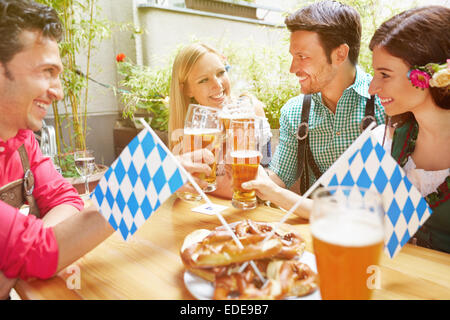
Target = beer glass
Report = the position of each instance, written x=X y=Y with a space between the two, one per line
x=202 y=130
x=245 y=155
x=347 y=230
x=241 y=108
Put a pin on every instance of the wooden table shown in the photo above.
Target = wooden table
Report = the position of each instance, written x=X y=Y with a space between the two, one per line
x=149 y=267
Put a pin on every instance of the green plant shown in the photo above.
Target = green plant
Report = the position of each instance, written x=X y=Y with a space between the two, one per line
x=67 y=165
x=82 y=25
x=145 y=89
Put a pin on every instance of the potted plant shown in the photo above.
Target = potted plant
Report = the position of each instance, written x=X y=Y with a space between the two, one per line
x=144 y=93
x=81 y=26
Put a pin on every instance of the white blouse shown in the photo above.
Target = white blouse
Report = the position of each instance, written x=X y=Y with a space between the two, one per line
x=425 y=181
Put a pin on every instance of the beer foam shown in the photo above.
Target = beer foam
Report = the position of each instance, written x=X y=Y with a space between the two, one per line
x=241 y=154
x=355 y=229
x=200 y=131
x=237 y=116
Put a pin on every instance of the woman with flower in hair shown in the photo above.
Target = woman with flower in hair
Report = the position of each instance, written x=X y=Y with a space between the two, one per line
x=200 y=75
x=411 y=54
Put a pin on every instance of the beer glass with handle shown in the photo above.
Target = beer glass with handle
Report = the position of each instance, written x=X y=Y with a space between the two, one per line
x=348 y=236
x=245 y=156
x=202 y=130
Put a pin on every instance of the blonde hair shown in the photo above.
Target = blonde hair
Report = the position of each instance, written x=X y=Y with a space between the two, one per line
x=179 y=102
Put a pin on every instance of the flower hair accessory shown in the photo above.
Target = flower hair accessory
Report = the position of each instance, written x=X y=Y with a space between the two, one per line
x=432 y=74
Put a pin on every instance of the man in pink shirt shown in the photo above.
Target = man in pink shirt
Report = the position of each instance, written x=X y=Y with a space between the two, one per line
x=59 y=231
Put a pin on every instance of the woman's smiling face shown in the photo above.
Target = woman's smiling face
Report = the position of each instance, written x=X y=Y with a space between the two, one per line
x=208 y=81
x=390 y=82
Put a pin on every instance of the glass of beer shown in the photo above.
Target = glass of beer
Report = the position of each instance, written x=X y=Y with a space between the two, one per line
x=202 y=130
x=239 y=109
x=245 y=155
x=347 y=229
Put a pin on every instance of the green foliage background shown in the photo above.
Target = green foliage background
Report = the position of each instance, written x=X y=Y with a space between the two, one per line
x=261 y=71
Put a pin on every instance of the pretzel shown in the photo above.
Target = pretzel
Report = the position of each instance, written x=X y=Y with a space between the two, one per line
x=246 y=285
x=284 y=278
x=296 y=278
x=217 y=248
x=293 y=244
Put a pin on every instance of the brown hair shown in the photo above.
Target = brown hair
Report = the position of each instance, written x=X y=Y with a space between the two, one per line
x=334 y=22
x=17 y=16
x=418 y=36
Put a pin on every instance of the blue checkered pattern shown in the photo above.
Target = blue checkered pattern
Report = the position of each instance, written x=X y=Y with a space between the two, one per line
x=373 y=168
x=137 y=183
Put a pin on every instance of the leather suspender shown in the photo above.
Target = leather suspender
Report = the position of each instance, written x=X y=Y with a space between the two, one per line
x=28 y=182
x=369 y=115
x=18 y=192
x=305 y=159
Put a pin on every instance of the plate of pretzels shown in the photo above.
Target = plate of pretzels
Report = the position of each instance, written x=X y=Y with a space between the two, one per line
x=260 y=267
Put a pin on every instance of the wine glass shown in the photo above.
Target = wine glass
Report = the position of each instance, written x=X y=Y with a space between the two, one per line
x=85 y=164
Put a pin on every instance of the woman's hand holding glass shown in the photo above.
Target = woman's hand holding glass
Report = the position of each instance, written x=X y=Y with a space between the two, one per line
x=190 y=161
x=202 y=130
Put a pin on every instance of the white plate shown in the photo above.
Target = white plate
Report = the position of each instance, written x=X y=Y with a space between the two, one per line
x=202 y=289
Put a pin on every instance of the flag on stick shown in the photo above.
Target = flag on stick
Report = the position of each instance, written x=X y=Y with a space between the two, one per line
x=367 y=165
x=371 y=167
x=144 y=175
x=137 y=183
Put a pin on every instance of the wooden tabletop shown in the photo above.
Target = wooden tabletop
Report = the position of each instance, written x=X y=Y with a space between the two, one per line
x=148 y=266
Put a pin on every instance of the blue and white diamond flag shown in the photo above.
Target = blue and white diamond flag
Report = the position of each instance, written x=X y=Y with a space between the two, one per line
x=371 y=167
x=137 y=183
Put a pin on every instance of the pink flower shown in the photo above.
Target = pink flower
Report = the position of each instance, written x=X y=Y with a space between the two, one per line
x=419 y=79
x=120 y=57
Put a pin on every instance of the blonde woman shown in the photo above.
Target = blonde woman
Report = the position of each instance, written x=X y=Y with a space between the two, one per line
x=199 y=75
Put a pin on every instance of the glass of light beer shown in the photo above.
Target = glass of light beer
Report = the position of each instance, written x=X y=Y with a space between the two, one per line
x=202 y=130
x=348 y=236
x=245 y=156
x=238 y=109
x=241 y=108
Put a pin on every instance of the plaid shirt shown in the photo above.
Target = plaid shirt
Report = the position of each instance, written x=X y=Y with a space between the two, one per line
x=329 y=134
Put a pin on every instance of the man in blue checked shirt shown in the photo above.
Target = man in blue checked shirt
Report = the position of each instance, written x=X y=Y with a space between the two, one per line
x=317 y=126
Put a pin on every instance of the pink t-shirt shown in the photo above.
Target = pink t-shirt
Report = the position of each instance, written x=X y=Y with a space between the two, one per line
x=27 y=249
